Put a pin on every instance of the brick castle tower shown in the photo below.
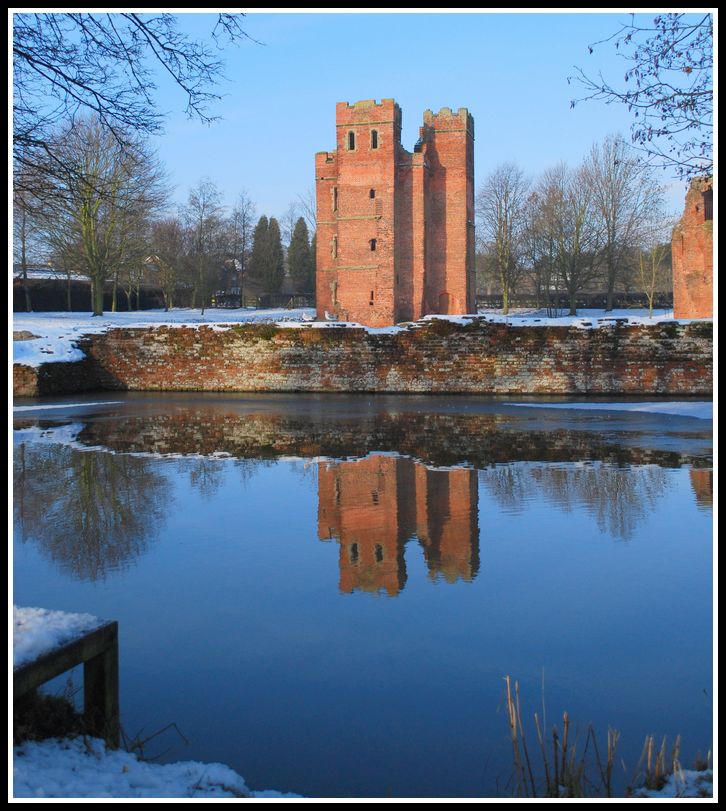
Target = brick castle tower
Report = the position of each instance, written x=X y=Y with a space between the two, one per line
x=692 y=253
x=395 y=237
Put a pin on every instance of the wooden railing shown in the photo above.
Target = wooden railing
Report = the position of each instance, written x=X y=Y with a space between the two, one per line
x=97 y=651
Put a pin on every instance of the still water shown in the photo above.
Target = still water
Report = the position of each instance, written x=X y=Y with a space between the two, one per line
x=325 y=593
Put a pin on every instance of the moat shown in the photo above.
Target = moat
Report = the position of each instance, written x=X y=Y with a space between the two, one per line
x=325 y=591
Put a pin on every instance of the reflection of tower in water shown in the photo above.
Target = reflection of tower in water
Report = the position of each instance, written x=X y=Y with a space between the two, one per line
x=702 y=484
x=373 y=506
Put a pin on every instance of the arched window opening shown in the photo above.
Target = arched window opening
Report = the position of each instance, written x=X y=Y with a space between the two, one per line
x=351 y=140
x=371 y=301
x=335 y=198
x=379 y=553
x=372 y=194
x=372 y=243
x=374 y=139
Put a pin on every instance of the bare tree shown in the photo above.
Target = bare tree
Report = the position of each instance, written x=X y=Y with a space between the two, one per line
x=308 y=209
x=106 y=65
x=167 y=256
x=287 y=223
x=668 y=86
x=500 y=208
x=624 y=197
x=569 y=229
x=652 y=257
x=540 y=241
x=203 y=216
x=26 y=248
x=100 y=201
x=242 y=223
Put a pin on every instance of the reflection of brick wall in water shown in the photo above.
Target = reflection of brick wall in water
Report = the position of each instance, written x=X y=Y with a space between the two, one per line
x=702 y=484
x=373 y=506
x=692 y=253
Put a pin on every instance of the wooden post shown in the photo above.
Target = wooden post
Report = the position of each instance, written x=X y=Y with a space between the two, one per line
x=100 y=695
x=97 y=651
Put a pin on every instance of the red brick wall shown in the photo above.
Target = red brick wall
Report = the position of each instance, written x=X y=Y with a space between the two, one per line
x=432 y=357
x=692 y=249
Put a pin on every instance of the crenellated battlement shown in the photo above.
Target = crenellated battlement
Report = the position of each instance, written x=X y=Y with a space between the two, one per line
x=369 y=103
x=368 y=111
x=447 y=119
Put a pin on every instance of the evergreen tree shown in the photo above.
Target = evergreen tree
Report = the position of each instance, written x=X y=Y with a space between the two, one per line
x=299 y=257
x=313 y=262
x=275 y=265
x=260 y=243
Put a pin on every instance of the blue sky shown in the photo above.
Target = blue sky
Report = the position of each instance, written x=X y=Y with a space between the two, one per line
x=510 y=70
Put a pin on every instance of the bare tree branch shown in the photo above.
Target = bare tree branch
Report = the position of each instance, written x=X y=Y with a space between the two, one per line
x=668 y=86
x=106 y=65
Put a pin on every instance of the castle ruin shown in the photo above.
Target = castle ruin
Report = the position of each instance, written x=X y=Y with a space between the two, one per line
x=692 y=253
x=395 y=238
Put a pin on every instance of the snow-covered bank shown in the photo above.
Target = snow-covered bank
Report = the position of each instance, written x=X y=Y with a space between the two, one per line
x=84 y=767
x=37 y=631
x=683 y=783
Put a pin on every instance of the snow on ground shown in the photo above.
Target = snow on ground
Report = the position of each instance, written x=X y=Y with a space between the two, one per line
x=585 y=318
x=37 y=631
x=57 y=333
x=698 y=409
x=84 y=767
x=683 y=783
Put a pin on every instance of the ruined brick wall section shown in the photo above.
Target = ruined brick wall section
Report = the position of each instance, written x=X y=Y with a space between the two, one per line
x=436 y=357
x=692 y=251
x=326 y=180
x=25 y=381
